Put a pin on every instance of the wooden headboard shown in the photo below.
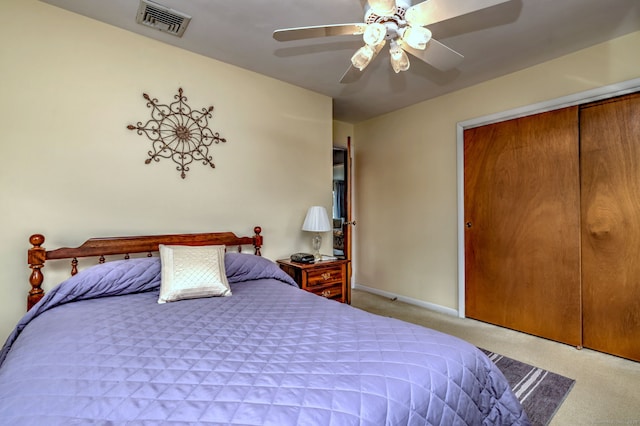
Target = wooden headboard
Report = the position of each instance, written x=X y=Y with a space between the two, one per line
x=101 y=247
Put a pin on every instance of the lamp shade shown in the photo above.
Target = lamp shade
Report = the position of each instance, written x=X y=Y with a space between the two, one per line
x=383 y=7
x=317 y=220
x=399 y=59
x=374 y=34
x=363 y=56
x=417 y=37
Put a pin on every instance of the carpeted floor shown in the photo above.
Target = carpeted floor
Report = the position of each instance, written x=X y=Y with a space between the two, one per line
x=607 y=388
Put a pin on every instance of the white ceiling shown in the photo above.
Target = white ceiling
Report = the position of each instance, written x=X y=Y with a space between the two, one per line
x=495 y=41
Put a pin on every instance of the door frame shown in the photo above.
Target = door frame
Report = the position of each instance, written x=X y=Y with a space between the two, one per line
x=592 y=95
x=348 y=225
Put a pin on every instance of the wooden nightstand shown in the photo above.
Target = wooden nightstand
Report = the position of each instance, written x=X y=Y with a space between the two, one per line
x=325 y=278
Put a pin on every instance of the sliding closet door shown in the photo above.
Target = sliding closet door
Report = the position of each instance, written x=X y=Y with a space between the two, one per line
x=522 y=213
x=610 y=162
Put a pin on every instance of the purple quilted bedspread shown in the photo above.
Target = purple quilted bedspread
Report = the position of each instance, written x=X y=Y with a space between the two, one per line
x=100 y=350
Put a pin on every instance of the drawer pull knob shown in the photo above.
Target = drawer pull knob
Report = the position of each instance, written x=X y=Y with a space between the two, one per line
x=326 y=275
x=326 y=293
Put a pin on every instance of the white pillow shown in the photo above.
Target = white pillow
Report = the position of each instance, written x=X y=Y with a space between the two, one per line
x=189 y=272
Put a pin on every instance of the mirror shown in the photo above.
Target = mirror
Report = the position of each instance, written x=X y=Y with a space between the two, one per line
x=339 y=210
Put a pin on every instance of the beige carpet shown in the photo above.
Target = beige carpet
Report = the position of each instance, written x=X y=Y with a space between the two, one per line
x=607 y=389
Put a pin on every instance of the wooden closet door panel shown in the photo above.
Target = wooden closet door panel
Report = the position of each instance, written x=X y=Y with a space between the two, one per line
x=610 y=162
x=522 y=213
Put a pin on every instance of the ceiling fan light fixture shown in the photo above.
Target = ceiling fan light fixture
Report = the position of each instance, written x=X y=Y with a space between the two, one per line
x=374 y=34
x=362 y=57
x=399 y=59
x=417 y=37
x=402 y=25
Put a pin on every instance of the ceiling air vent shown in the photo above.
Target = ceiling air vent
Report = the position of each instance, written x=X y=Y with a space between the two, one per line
x=162 y=18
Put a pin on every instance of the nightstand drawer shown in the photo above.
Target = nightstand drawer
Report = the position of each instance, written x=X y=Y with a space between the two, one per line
x=321 y=277
x=331 y=292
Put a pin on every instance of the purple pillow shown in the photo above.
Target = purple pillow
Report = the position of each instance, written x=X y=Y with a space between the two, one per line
x=245 y=267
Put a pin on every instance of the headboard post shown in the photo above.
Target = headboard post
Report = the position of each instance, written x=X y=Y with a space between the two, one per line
x=257 y=240
x=36 y=258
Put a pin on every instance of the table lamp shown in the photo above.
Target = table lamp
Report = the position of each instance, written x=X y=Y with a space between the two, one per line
x=316 y=221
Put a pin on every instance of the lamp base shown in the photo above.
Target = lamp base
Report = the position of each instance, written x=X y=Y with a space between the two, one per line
x=316 y=243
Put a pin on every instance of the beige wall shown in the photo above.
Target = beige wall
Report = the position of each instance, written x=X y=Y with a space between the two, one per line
x=405 y=180
x=341 y=132
x=72 y=170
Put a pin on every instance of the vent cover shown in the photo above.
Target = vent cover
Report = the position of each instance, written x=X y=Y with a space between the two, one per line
x=162 y=18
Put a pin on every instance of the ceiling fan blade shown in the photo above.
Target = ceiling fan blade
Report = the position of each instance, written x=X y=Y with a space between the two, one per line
x=431 y=11
x=288 y=34
x=435 y=54
x=353 y=74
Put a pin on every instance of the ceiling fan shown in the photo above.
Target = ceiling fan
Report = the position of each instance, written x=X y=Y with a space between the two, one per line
x=402 y=25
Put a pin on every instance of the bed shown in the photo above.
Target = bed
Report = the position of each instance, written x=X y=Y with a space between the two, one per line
x=103 y=347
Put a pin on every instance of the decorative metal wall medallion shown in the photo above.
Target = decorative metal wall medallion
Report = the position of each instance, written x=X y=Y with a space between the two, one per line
x=178 y=132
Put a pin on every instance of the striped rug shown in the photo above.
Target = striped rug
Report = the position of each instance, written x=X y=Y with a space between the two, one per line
x=540 y=392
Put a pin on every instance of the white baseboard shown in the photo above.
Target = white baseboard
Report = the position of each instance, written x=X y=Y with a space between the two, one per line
x=409 y=300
